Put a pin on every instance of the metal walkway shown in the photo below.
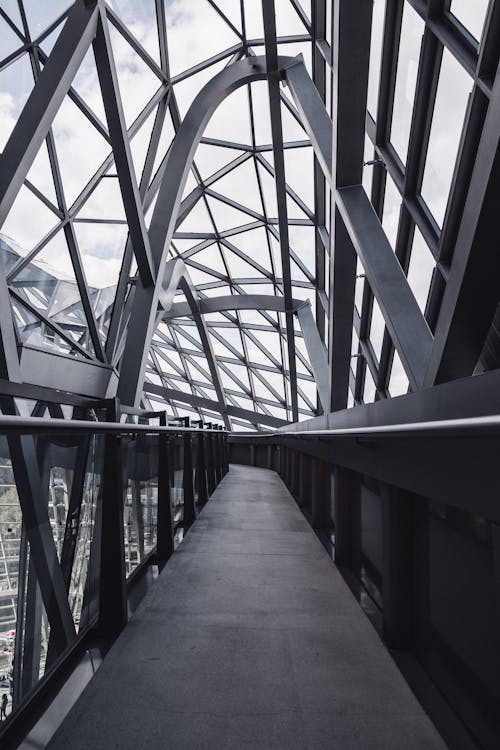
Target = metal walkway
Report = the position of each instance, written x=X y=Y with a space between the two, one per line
x=250 y=639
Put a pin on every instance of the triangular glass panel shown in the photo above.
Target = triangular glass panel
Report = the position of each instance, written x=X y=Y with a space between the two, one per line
x=241 y=183
x=231 y=119
x=287 y=19
x=239 y=268
x=198 y=220
x=292 y=131
x=166 y=137
x=16 y=84
x=41 y=219
x=269 y=192
x=255 y=354
x=136 y=80
x=34 y=332
x=254 y=23
x=140 y=17
x=297 y=274
x=11 y=7
x=232 y=11
x=101 y=249
x=206 y=31
x=225 y=216
x=299 y=173
x=261 y=113
x=209 y=159
x=86 y=84
x=254 y=243
x=40 y=175
x=302 y=243
x=139 y=145
x=105 y=202
x=211 y=258
x=78 y=164
x=41 y=15
x=9 y=40
x=295 y=211
x=200 y=277
x=49 y=284
x=187 y=89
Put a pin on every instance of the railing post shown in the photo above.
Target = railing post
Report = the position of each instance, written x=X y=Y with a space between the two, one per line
x=321 y=495
x=201 y=471
x=210 y=460
x=397 y=536
x=295 y=472
x=252 y=454
x=187 y=483
x=347 y=517
x=218 y=455
x=269 y=456
x=112 y=578
x=165 y=522
x=226 y=452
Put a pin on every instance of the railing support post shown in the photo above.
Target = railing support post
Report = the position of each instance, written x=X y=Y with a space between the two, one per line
x=165 y=522
x=187 y=483
x=112 y=578
x=347 y=518
x=269 y=456
x=209 y=457
x=321 y=495
x=397 y=536
x=201 y=471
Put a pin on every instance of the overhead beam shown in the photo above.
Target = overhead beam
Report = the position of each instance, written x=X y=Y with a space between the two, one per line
x=206 y=403
x=403 y=317
x=176 y=169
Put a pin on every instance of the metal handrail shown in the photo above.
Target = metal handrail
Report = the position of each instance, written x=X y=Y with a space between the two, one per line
x=29 y=425
x=464 y=427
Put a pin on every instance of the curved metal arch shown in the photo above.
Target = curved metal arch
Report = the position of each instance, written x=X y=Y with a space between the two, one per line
x=146 y=299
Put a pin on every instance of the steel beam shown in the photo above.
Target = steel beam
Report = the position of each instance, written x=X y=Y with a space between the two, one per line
x=44 y=101
x=132 y=202
x=403 y=317
x=471 y=295
x=206 y=403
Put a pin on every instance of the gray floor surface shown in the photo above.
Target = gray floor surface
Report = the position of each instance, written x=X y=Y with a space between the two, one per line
x=249 y=639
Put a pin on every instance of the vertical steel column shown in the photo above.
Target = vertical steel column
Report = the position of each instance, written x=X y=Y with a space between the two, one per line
x=218 y=456
x=210 y=461
x=296 y=461
x=165 y=523
x=269 y=456
x=226 y=452
x=112 y=578
x=302 y=490
x=201 y=471
x=397 y=545
x=187 y=483
x=252 y=454
x=347 y=518
x=321 y=495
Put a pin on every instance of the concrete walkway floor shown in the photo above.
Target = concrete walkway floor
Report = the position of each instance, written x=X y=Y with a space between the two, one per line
x=249 y=639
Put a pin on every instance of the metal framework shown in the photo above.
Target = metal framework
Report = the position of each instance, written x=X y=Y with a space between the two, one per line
x=260 y=214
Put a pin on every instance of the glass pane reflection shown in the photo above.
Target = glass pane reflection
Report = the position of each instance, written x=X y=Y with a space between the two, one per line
x=453 y=91
x=470 y=14
x=412 y=29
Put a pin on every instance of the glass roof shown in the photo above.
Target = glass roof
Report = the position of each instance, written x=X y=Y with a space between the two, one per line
x=65 y=241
